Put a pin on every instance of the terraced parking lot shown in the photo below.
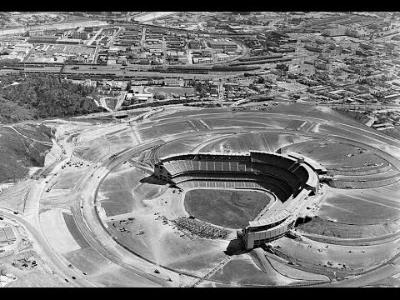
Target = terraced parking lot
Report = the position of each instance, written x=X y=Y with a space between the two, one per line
x=344 y=214
x=104 y=211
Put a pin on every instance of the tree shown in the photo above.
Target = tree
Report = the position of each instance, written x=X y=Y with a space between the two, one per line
x=202 y=88
x=282 y=67
x=8 y=62
x=253 y=87
x=46 y=96
x=128 y=86
x=159 y=96
x=260 y=80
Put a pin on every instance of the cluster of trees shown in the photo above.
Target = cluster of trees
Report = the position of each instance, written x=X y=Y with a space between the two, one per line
x=46 y=96
x=259 y=80
x=160 y=96
x=202 y=88
x=282 y=67
x=11 y=112
x=8 y=62
x=364 y=80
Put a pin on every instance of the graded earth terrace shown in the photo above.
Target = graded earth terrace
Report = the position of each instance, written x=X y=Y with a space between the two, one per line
x=298 y=196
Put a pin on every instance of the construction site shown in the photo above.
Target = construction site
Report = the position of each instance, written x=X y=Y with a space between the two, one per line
x=183 y=196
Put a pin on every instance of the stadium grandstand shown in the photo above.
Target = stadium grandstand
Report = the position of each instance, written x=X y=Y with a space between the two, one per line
x=290 y=178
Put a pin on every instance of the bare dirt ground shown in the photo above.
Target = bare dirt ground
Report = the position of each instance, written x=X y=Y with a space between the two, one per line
x=97 y=217
x=232 y=209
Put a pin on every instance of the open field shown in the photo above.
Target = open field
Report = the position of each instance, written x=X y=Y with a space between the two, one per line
x=14 y=198
x=36 y=279
x=260 y=141
x=360 y=208
x=313 y=255
x=233 y=209
x=338 y=155
x=182 y=145
x=59 y=229
x=158 y=129
x=243 y=271
x=122 y=192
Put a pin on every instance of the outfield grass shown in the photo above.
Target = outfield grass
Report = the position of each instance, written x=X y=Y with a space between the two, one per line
x=227 y=208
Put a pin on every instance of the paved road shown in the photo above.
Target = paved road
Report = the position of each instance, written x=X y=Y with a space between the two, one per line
x=385 y=271
x=91 y=41
x=48 y=254
x=30 y=220
x=362 y=107
x=95 y=234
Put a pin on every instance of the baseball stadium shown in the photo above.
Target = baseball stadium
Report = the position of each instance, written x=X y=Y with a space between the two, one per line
x=286 y=181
